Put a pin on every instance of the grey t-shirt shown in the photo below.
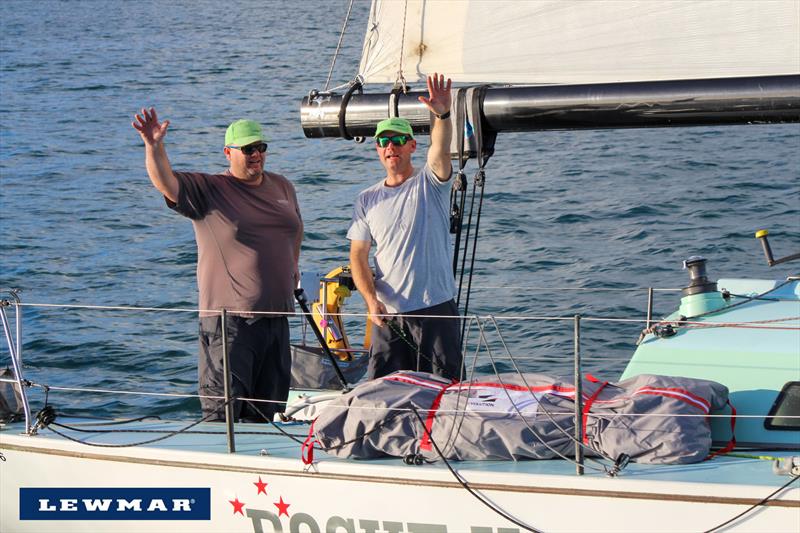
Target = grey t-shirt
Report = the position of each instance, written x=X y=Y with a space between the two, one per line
x=246 y=237
x=409 y=226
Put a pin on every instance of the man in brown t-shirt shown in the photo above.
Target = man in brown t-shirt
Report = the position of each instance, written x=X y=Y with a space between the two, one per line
x=248 y=230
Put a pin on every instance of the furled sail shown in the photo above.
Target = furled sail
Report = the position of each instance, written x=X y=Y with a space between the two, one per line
x=570 y=64
x=576 y=42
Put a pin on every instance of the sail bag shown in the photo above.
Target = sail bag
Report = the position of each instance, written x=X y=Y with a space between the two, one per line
x=650 y=418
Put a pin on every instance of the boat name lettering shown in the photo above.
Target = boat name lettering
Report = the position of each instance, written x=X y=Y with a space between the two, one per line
x=115 y=503
x=268 y=522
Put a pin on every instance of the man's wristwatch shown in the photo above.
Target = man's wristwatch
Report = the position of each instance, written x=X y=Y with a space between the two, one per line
x=443 y=116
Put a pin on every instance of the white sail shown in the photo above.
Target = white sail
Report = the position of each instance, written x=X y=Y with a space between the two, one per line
x=583 y=41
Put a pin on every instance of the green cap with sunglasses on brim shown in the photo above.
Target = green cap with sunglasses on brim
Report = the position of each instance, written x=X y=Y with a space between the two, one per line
x=243 y=132
x=400 y=125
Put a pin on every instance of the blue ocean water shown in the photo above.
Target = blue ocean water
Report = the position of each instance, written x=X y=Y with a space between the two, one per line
x=81 y=225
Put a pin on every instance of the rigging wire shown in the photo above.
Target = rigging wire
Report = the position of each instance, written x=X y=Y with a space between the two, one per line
x=459 y=413
x=541 y=406
x=92 y=307
x=338 y=45
x=545 y=409
x=112 y=391
x=400 y=80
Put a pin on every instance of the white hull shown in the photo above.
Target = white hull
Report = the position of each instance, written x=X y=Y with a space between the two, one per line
x=386 y=495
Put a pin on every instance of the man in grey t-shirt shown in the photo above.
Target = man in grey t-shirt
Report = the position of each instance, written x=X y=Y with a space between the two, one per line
x=248 y=230
x=406 y=216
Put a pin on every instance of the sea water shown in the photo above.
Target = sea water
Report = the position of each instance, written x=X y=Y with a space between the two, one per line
x=572 y=222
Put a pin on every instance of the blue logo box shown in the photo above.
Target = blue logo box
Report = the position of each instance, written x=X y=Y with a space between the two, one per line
x=114 y=504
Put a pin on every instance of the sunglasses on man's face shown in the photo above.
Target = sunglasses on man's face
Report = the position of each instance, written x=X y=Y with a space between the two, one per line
x=250 y=149
x=397 y=140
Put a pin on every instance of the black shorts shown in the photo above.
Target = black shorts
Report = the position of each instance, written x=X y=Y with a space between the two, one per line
x=421 y=344
x=260 y=363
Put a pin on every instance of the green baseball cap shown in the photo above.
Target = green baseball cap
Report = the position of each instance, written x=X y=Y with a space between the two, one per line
x=243 y=132
x=400 y=125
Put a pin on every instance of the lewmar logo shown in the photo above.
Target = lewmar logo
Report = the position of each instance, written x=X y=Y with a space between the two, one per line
x=114 y=504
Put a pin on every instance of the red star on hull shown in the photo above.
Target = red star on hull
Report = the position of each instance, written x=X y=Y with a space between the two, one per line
x=237 y=506
x=261 y=486
x=283 y=507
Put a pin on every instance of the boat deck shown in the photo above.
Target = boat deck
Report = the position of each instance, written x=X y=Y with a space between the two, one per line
x=544 y=493
x=262 y=446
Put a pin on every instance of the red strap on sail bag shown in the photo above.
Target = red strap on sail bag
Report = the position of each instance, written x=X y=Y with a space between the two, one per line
x=307 y=449
x=731 y=443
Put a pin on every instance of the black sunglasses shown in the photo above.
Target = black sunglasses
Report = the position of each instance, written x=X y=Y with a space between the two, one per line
x=250 y=149
x=397 y=140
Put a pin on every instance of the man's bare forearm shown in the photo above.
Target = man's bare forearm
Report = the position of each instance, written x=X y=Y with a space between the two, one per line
x=160 y=170
x=362 y=276
x=439 y=151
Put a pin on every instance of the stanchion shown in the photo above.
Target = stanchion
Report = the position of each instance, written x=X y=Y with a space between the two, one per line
x=578 y=399
x=226 y=376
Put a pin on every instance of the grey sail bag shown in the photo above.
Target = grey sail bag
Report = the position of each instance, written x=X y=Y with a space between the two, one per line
x=521 y=416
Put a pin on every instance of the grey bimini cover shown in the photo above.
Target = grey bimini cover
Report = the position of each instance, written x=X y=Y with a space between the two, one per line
x=521 y=416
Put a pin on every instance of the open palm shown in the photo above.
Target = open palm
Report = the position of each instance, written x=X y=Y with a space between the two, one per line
x=439 y=98
x=151 y=131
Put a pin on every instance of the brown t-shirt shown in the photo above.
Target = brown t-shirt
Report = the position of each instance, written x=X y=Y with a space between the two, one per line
x=246 y=238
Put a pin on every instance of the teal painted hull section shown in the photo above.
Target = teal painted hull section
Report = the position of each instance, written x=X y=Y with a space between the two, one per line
x=752 y=346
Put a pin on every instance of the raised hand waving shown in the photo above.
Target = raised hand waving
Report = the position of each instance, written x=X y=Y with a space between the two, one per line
x=439 y=98
x=149 y=129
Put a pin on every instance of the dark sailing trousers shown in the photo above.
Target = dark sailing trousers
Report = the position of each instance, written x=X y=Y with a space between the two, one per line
x=422 y=344
x=260 y=361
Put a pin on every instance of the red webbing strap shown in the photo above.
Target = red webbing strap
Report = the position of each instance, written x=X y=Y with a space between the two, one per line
x=731 y=443
x=588 y=405
x=425 y=444
x=307 y=450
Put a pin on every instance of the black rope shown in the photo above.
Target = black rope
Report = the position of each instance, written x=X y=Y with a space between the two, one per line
x=754 y=506
x=388 y=418
x=484 y=149
x=47 y=418
x=480 y=178
x=106 y=422
x=466 y=246
x=466 y=486
x=276 y=426
x=457 y=200
x=93 y=429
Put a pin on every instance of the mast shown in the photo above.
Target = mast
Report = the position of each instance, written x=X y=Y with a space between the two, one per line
x=697 y=102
